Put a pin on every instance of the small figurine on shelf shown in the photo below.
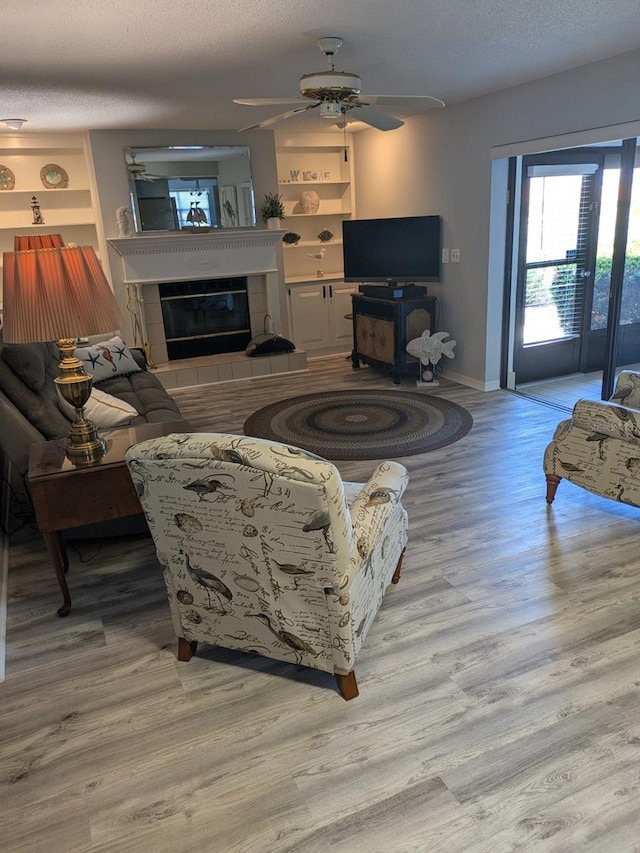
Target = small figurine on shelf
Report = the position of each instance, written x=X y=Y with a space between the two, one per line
x=325 y=236
x=35 y=207
x=123 y=221
x=319 y=256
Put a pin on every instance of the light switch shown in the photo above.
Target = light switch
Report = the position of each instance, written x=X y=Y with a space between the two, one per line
x=445 y=256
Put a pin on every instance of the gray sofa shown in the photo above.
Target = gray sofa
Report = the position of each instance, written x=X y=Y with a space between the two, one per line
x=30 y=410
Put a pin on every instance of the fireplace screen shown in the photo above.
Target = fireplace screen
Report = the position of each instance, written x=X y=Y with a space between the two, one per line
x=205 y=317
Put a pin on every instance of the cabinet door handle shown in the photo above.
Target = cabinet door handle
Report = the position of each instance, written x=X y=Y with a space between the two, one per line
x=324 y=291
x=331 y=291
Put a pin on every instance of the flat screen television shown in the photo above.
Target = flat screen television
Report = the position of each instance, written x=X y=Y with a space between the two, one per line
x=401 y=250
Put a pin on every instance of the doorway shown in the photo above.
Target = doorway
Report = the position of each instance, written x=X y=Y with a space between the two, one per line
x=577 y=301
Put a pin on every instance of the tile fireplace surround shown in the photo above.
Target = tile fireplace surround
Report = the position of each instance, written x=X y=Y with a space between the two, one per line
x=150 y=259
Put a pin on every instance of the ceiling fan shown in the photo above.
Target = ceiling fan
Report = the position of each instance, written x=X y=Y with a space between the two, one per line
x=138 y=171
x=338 y=93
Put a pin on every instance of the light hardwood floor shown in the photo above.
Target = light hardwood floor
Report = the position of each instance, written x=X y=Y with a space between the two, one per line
x=499 y=687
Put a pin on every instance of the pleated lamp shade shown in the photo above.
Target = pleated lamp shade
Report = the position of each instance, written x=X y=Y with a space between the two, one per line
x=36 y=241
x=56 y=293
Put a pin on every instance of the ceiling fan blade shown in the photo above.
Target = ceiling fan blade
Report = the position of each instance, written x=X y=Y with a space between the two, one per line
x=267 y=102
x=281 y=117
x=421 y=103
x=381 y=121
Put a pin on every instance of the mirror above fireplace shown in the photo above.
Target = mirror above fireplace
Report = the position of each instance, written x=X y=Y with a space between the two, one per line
x=191 y=188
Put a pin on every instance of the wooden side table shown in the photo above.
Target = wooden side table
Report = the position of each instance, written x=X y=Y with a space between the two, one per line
x=65 y=496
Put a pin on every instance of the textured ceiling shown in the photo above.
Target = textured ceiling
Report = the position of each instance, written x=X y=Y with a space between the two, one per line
x=73 y=64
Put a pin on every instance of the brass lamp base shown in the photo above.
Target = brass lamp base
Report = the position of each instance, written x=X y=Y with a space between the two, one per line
x=84 y=446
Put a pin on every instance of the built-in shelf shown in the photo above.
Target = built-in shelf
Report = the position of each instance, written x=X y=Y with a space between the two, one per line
x=311 y=244
x=312 y=183
x=328 y=277
x=69 y=211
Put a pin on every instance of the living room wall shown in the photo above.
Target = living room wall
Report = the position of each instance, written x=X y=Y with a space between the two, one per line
x=106 y=153
x=441 y=162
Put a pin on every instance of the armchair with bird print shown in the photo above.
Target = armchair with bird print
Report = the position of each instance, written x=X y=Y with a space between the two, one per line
x=598 y=448
x=265 y=549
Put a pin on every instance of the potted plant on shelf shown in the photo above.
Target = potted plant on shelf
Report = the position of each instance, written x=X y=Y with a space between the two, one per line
x=272 y=210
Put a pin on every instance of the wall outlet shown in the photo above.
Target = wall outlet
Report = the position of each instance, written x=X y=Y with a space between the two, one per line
x=455 y=256
x=445 y=256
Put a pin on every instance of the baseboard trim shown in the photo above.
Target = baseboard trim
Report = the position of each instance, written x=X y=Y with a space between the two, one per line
x=478 y=385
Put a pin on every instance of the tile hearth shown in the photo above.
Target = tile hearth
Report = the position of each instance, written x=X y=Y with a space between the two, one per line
x=227 y=367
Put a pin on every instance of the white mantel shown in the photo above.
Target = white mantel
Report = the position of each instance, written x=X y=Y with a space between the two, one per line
x=166 y=256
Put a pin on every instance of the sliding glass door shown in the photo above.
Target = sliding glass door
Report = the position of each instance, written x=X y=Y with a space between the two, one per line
x=622 y=334
x=556 y=262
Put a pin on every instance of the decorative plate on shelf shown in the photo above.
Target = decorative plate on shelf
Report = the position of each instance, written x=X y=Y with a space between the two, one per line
x=54 y=177
x=7 y=178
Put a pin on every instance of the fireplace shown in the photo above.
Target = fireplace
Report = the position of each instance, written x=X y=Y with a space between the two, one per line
x=205 y=317
x=150 y=261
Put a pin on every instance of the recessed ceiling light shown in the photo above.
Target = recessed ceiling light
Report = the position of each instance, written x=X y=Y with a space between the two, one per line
x=14 y=123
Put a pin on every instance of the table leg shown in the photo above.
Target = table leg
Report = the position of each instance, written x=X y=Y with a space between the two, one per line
x=58 y=554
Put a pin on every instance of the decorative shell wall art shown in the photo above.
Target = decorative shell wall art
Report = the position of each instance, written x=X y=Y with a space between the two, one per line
x=54 y=177
x=309 y=201
x=7 y=178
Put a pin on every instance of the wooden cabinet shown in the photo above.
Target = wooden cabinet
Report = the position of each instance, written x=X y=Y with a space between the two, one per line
x=382 y=328
x=320 y=316
x=66 y=210
x=318 y=164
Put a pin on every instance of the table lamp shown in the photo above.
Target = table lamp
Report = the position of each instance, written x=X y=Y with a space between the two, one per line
x=59 y=294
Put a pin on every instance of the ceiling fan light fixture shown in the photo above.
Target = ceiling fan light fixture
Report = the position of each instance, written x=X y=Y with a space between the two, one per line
x=331 y=110
x=322 y=84
x=14 y=123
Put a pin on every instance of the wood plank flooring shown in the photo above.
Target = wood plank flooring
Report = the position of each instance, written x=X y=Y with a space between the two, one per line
x=499 y=685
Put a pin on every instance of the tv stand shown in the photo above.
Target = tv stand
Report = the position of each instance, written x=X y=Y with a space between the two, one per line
x=383 y=327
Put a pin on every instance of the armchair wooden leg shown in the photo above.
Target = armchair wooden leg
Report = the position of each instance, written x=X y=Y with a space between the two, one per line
x=553 y=481
x=186 y=649
x=396 y=574
x=347 y=685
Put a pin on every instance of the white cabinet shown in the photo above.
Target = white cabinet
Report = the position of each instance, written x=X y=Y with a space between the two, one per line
x=322 y=165
x=320 y=316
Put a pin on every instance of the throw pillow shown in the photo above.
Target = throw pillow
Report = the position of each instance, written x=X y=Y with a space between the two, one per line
x=103 y=409
x=107 y=359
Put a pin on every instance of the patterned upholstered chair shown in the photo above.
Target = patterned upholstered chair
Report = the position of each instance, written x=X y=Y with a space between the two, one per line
x=598 y=448
x=264 y=548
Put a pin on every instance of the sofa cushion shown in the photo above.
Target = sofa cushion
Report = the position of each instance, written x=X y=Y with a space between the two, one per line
x=105 y=411
x=28 y=362
x=107 y=359
x=143 y=391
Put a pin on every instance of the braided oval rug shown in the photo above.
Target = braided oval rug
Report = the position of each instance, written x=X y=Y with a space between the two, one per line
x=362 y=424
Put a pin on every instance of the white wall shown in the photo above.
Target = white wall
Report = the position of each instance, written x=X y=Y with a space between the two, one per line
x=440 y=162
x=106 y=153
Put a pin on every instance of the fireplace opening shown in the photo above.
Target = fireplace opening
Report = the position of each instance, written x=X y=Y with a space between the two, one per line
x=205 y=317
